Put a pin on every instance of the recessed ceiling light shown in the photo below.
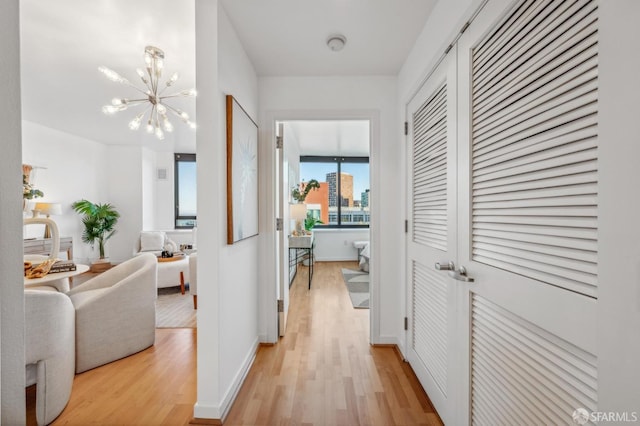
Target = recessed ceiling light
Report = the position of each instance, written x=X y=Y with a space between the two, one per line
x=336 y=42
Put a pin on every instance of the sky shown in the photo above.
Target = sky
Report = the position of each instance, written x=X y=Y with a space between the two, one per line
x=187 y=189
x=318 y=171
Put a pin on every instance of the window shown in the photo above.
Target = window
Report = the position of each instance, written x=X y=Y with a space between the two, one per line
x=185 y=189
x=343 y=197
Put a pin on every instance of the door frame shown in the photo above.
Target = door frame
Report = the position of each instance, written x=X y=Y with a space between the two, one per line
x=270 y=180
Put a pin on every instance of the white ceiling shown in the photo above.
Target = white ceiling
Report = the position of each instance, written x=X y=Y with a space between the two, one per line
x=344 y=137
x=63 y=43
x=288 y=37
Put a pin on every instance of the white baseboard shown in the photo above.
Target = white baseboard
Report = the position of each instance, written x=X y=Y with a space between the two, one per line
x=386 y=340
x=238 y=380
x=335 y=259
x=201 y=411
x=220 y=412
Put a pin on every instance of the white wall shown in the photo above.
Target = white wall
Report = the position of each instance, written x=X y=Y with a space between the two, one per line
x=337 y=244
x=11 y=290
x=148 y=181
x=125 y=193
x=164 y=192
x=75 y=169
x=347 y=97
x=238 y=262
x=227 y=289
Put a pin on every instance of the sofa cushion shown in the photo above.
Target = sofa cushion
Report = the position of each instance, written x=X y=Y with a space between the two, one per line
x=152 y=240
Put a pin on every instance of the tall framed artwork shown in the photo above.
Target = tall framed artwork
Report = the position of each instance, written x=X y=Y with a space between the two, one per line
x=242 y=173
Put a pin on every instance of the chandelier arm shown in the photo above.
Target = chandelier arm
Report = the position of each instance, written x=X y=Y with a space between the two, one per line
x=177 y=112
x=132 y=102
x=175 y=95
x=157 y=118
x=152 y=80
x=153 y=110
x=128 y=83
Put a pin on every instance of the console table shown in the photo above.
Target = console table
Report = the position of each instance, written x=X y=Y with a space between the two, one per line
x=42 y=246
x=302 y=248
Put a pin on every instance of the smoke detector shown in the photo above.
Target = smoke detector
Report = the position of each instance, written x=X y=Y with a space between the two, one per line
x=336 y=42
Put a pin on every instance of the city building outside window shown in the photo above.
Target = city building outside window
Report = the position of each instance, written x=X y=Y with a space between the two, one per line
x=185 y=190
x=343 y=198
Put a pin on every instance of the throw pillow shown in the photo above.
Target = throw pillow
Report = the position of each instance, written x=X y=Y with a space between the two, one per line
x=152 y=240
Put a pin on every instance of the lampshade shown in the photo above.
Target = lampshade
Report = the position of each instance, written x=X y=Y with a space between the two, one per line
x=298 y=211
x=48 y=208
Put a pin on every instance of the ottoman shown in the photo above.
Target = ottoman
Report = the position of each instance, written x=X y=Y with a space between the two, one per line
x=173 y=271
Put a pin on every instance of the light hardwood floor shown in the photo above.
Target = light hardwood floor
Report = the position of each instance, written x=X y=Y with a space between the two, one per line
x=323 y=372
x=154 y=387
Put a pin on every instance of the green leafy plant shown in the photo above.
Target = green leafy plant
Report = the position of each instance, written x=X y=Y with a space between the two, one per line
x=99 y=221
x=300 y=193
x=28 y=191
x=311 y=221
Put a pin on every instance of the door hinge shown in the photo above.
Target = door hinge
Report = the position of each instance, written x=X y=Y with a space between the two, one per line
x=279 y=142
x=406 y=323
x=280 y=305
x=279 y=224
x=406 y=226
x=406 y=128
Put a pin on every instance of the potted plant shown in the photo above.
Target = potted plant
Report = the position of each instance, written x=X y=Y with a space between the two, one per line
x=99 y=221
x=300 y=193
x=311 y=221
x=299 y=210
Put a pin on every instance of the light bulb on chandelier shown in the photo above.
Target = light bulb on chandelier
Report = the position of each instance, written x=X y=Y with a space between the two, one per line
x=154 y=99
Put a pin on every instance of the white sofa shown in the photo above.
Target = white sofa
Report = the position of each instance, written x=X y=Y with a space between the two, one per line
x=49 y=351
x=115 y=312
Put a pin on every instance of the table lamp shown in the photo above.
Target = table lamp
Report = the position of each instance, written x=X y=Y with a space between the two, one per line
x=299 y=213
x=48 y=209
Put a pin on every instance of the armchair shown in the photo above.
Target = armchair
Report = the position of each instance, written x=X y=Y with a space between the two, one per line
x=49 y=351
x=115 y=312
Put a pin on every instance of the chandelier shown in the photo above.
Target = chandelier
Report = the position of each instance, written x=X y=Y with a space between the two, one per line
x=154 y=99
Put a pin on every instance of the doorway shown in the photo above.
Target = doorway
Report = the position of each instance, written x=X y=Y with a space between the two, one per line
x=334 y=150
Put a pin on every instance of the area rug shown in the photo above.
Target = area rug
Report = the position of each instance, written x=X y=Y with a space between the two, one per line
x=357 y=283
x=174 y=310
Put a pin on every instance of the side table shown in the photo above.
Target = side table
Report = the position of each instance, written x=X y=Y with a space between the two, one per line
x=301 y=252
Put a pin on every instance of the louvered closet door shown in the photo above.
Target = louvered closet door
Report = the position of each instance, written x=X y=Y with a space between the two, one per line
x=432 y=234
x=528 y=211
